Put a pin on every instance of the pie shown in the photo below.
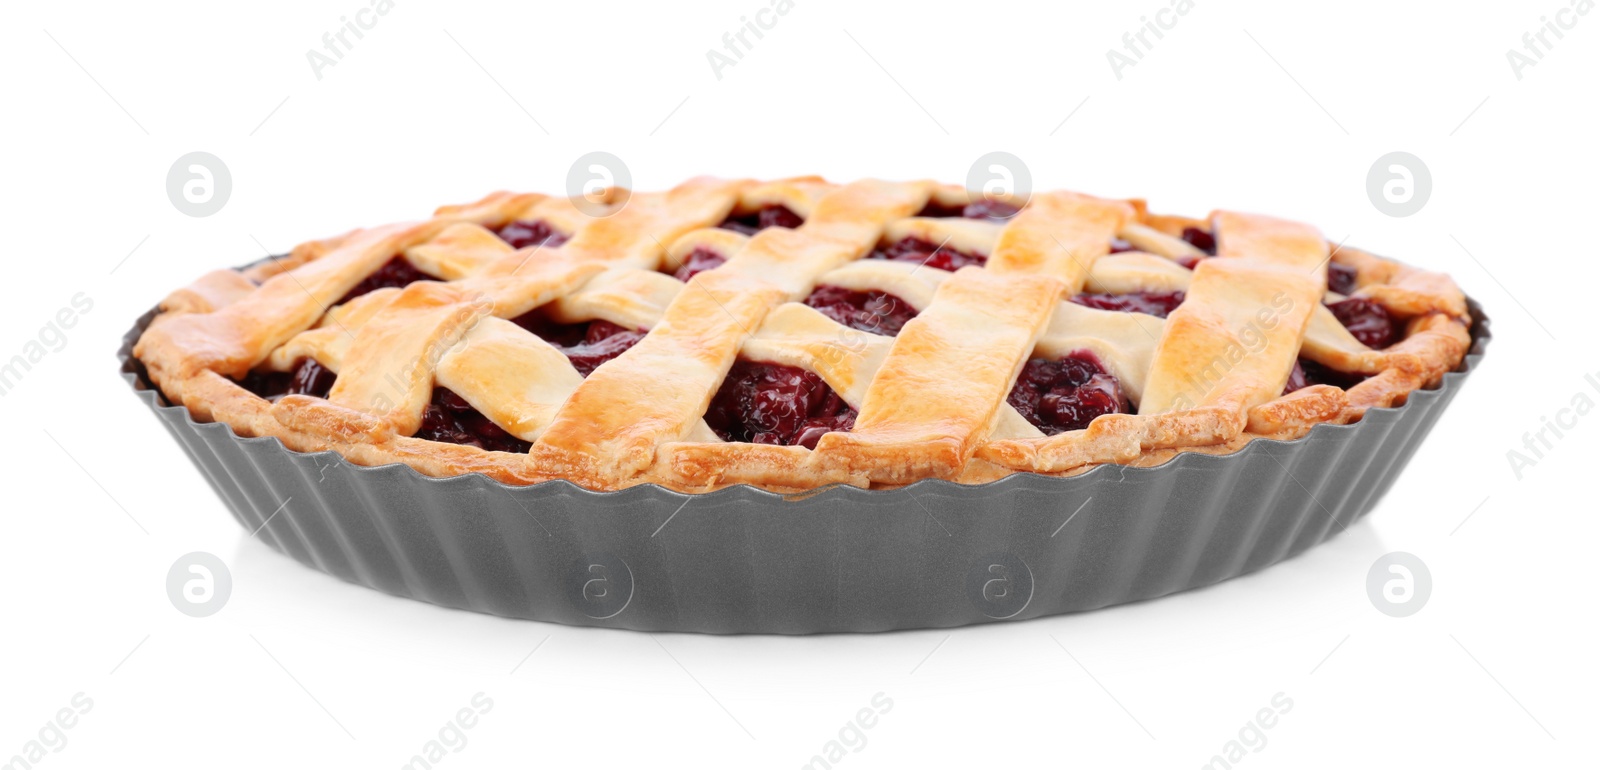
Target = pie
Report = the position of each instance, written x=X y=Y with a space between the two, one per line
x=798 y=333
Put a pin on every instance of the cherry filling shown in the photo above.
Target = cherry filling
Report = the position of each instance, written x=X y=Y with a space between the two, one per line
x=870 y=311
x=449 y=418
x=586 y=345
x=768 y=216
x=767 y=403
x=1307 y=373
x=1369 y=322
x=1341 y=279
x=307 y=378
x=1058 y=396
x=921 y=252
x=522 y=234
x=1201 y=240
x=698 y=261
x=982 y=208
x=603 y=342
x=1158 y=304
x=396 y=273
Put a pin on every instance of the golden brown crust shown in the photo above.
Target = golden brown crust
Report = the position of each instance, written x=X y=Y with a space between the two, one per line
x=937 y=395
x=931 y=401
x=668 y=378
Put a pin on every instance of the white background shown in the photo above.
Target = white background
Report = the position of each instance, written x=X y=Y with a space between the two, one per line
x=1249 y=106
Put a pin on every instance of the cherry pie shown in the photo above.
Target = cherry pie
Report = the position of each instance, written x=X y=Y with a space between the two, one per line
x=798 y=333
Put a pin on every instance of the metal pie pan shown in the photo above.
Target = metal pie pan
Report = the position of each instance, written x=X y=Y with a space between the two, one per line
x=741 y=560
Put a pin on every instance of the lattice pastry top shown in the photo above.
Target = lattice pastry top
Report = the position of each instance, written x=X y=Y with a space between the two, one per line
x=797 y=333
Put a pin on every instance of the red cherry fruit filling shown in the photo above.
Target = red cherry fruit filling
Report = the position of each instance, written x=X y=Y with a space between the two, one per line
x=523 y=234
x=767 y=403
x=586 y=345
x=769 y=216
x=698 y=261
x=1058 y=396
x=1368 y=321
x=603 y=342
x=1341 y=279
x=870 y=311
x=1307 y=373
x=395 y=274
x=1201 y=240
x=307 y=378
x=982 y=208
x=921 y=252
x=449 y=418
x=1158 y=304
